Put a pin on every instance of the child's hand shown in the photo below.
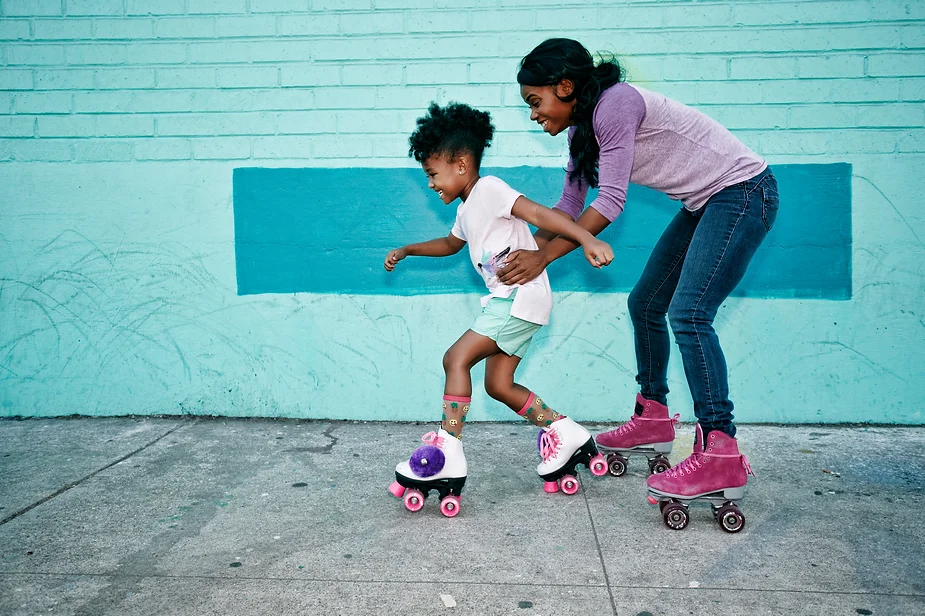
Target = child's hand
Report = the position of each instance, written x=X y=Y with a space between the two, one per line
x=598 y=253
x=394 y=256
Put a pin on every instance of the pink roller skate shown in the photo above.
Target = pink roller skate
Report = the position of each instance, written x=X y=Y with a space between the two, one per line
x=650 y=431
x=715 y=472
x=439 y=465
x=563 y=446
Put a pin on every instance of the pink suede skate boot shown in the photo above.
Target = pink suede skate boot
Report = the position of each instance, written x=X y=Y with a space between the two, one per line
x=650 y=431
x=714 y=467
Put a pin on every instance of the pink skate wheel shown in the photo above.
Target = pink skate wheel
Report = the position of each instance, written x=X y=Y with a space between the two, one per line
x=397 y=490
x=550 y=487
x=449 y=506
x=414 y=500
x=569 y=484
x=653 y=500
x=598 y=466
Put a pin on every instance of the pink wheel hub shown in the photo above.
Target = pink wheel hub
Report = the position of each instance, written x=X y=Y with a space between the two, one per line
x=598 y=465
x=414 y=500
x=568 y=484
x=449 y=506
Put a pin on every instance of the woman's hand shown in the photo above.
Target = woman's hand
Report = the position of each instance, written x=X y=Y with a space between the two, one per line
x=598 y=253
x=522 y=266
x=394 y=256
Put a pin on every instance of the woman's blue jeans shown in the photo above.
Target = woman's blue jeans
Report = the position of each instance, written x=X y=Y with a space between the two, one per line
x=697 y=262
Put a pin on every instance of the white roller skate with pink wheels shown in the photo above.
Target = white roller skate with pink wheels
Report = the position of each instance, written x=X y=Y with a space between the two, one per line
x=438 y=465
x=715 y=473
x=563 y=446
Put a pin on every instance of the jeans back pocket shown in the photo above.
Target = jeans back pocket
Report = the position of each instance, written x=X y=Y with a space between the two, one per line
x=770 y=201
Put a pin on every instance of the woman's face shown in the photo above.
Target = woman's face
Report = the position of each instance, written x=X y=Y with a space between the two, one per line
x=546 y=108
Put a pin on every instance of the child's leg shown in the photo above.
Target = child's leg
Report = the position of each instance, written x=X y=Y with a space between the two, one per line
x=500 y=385
x=470 y=349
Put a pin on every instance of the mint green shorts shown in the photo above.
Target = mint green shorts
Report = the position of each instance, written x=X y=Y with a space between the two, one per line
x=512 y=335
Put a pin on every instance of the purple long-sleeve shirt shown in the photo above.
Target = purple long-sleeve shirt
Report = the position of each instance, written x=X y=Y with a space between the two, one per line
x=651 y=140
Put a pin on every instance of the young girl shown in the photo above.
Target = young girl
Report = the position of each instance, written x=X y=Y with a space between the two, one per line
x=492 y=219
x=620 y=133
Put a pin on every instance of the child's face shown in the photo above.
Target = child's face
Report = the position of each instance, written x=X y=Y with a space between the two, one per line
x=446 y=177
x=546 y=109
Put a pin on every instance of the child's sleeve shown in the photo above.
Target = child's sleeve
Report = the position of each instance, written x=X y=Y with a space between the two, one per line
x=504 y=197
x=457 y=230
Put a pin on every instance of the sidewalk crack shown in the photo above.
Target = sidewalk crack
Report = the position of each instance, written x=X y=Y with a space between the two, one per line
x=74 y=484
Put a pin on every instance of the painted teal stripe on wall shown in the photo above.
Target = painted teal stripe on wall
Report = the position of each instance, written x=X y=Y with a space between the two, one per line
x=328 y=230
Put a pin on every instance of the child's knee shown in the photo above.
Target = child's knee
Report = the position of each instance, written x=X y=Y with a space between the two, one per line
x=499 y=389
x=451 y=360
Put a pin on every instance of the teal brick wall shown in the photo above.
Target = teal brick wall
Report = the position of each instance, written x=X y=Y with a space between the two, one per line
x=122 y=121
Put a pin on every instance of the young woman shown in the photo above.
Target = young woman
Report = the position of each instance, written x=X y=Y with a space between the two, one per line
x=620 y=133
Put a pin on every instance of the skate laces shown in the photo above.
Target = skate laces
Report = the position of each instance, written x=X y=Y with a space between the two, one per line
x=432 y=438
x=687 y=467
x=631 y=424
x=549 y=445
x=745 y=464
x=627 y=427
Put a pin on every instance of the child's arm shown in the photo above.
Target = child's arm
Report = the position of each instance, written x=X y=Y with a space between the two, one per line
x=597 y=253
x=440 y=247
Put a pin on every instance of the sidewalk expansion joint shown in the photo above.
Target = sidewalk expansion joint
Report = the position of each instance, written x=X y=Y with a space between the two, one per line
x=600 y=553
x=74 y=484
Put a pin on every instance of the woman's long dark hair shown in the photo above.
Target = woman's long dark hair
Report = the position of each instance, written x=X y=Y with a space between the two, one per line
x=560 y=58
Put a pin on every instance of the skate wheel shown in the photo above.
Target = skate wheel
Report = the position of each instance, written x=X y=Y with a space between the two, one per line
x=598 y=466
x=659 y=465
x=397 y=490
x=550 y=487
x=414 y=500
x=730 y=518
x=616 y=464
x=675 y=516
x=449 y=506
x=568 y=484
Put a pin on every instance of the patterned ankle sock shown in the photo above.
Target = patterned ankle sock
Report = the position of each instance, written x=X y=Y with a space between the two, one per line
x=454 y=414
x=536 y=412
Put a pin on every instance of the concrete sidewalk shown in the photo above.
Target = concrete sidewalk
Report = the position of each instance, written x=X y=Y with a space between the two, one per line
x=220 y=516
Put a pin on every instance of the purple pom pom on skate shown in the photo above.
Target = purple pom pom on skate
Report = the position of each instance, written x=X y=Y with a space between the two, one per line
x=427 y=461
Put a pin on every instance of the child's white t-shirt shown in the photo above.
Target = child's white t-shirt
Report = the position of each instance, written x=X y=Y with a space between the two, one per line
x=485 y=222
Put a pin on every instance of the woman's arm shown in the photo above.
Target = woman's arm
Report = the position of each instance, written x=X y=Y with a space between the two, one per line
x=617 y=118
x=597 y=252
x=525 y=265
x=440 y=247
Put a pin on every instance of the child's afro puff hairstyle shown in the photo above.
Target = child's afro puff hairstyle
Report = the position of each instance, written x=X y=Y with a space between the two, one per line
x=451 y=130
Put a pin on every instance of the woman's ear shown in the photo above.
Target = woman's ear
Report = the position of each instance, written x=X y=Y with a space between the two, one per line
x=565 y=88
x=462 y=164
